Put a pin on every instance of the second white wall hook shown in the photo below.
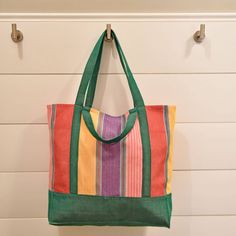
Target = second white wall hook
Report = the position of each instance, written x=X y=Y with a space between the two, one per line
x=200 y=34
x=16 y=35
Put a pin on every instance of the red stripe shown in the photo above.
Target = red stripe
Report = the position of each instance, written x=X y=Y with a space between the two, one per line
x=62 y=133
x=157 y=131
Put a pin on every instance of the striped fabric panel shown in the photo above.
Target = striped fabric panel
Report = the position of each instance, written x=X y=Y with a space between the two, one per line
x=62 y=134
x=159 y=146
x=171 y=121
x=119 y=165
x=134 y=162
x=111 y=169
x=87 y=157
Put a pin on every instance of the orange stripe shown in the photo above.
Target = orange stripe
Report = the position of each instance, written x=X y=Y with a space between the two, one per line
x=87 y=157
x=171 y=116
x=158 y=140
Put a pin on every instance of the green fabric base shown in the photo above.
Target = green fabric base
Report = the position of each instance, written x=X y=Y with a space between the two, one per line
x=73 y=209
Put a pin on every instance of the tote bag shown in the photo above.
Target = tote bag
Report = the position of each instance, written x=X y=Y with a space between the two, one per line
x=110 y=170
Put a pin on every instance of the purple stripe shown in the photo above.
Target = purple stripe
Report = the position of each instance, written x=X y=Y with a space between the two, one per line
x=111 y=157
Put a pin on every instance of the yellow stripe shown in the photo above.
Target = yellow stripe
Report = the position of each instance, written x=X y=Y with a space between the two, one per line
x=87 y=157
x=172 y=111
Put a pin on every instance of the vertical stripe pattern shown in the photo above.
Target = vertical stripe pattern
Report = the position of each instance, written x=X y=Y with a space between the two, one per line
x=114 y=169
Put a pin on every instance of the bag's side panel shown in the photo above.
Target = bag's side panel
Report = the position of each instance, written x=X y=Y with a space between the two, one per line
x=171 y=124
x=51 y=120
x=158 y=123
x=62 y=134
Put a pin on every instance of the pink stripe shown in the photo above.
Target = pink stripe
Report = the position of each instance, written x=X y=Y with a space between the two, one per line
x=134 y=162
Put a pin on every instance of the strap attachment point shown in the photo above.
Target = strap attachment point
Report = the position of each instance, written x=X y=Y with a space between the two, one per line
x=108 y=36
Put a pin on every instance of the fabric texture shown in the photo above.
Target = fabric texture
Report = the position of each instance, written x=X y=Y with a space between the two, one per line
x=110 y=170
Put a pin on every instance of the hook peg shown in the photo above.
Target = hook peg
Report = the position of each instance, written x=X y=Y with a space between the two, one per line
x=200 y=34
x=108 y=37
x=16 y=35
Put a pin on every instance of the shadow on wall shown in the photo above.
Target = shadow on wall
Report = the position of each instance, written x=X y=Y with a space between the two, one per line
x=205 y=45
x=103 y=231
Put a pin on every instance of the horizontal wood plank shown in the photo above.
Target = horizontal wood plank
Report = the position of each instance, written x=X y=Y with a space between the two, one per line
x=180 y=226
x=194 y=193
x=63 y=49
x=197 y=146
x=24 y=148
x=199 y=98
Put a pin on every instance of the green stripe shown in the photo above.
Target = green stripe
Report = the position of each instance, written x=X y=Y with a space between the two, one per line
x=99 y=154
x=73 y=209
x=146 y=148
x=102 y=118
x=167 y=128
x=122 y=159
x=75 y=130
x=97 y=162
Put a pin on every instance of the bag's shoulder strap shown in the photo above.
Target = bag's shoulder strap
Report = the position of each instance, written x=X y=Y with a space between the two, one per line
x=89 y=78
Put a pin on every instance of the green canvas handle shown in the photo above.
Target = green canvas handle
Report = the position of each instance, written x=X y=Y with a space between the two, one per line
x=90 y=74
x=137 y=97
x=129 y=125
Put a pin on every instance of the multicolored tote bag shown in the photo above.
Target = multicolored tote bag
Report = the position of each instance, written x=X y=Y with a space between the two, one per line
x=110 y=170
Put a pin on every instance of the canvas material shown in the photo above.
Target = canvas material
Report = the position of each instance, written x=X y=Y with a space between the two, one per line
x=73 y=209
x=111 y=169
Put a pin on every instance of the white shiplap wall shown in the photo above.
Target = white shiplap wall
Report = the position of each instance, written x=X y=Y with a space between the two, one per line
x=169 y=67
